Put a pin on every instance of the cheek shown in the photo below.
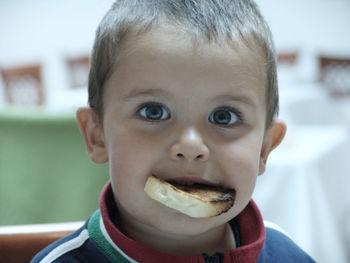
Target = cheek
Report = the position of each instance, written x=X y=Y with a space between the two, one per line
x=240 y=166
x=131 y=159
x=240 y=170
x=129 y=169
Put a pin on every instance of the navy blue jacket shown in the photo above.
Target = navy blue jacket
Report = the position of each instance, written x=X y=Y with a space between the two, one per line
x=100 y=241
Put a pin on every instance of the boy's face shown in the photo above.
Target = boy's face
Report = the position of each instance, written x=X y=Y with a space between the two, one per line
x=179 y=111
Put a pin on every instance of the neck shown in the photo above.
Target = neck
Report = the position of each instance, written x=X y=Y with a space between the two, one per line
x=220 y=239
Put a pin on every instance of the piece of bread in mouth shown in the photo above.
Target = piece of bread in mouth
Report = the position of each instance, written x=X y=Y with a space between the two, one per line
x=194 y=200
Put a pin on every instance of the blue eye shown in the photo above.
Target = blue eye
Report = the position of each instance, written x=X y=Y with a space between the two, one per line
x=154 y=112
x=224 y=116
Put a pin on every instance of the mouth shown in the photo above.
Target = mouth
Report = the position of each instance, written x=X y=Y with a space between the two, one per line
x=189 y=181
x=192 y=196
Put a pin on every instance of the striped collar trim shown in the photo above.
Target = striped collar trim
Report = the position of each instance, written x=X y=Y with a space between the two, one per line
x=98 y=233
x=66 y=247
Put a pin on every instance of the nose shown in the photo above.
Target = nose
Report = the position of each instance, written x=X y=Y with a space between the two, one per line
x=189 y=147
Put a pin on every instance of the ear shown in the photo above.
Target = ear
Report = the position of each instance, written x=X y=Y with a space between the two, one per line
x=273 y=137
x=93 y=135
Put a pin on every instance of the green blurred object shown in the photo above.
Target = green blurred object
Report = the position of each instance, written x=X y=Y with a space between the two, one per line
x=45 y=173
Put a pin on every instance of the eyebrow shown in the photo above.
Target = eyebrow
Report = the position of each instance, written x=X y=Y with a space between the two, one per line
x=156 y=92
x=240 y=98
x=146 y=92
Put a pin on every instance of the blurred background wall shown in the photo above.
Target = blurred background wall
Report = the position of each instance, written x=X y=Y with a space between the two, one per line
x=310 y=27
x=48 y=32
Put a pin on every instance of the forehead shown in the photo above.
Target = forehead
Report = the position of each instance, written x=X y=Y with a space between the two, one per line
x=164 y=55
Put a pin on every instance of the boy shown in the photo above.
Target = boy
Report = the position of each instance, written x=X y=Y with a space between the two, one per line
x=185 y=91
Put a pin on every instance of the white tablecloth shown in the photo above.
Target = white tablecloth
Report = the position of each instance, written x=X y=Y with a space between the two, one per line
x=305 y=190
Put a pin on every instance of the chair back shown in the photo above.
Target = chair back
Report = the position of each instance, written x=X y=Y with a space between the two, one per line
x=78 y=71
x=23 y=85
x=21 y=243
x=334 y=73
x=287 y=58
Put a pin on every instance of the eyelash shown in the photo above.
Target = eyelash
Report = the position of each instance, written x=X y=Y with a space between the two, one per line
x=230 y=109
x=236 y=112
x=154 y=104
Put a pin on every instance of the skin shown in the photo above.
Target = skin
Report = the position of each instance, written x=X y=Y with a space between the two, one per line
x=190 y=84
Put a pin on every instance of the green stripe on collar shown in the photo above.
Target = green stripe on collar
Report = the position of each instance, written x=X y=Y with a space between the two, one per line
x=96 y=235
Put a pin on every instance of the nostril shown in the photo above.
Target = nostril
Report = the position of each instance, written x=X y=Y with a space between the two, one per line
x=180 y=155
x=200 y=156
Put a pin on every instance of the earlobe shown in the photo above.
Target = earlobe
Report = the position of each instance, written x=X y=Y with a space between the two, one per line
x=93 y=134
x=273 y=137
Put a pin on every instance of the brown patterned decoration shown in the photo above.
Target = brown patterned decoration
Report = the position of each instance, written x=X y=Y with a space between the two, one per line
x=334 y=73
x=287 y=58
x=23 y=85
x=79 y=68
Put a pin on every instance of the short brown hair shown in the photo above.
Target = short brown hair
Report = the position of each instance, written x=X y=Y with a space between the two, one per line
x=208 y=20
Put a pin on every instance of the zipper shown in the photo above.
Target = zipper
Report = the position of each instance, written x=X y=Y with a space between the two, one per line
x=216 y=258
x=219 y=257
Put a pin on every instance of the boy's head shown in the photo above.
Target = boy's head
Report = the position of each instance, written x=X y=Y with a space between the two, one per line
x=223 y=22
x=184 y=90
